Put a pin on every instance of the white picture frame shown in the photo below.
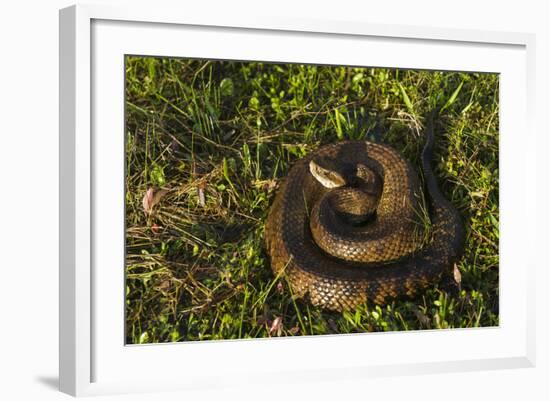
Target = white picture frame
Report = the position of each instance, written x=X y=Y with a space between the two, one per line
x=93 y=356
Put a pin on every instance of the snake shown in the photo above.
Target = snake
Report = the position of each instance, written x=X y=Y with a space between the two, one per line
x=350 y=224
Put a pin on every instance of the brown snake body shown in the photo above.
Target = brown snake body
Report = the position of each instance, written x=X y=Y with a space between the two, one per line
x=340 y=258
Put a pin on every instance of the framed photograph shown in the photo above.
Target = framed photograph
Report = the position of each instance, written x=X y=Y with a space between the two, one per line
x=236 y=195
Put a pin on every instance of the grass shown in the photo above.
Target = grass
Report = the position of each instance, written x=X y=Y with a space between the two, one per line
x=207 y=143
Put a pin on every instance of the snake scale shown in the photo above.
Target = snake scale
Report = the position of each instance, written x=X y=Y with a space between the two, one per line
x=344 y=226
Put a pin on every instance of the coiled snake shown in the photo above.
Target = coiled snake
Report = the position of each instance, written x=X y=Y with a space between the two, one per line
x=345 y=227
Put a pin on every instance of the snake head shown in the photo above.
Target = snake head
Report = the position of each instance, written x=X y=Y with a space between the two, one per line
x=328 y=173
x=335 y=174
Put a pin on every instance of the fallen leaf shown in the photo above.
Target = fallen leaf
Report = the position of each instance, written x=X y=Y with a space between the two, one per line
x=151 y=198
x=148 y=200
x=202 y=200
x=159 y=194
x=456 y=275
x=294 y=330
x=164 y=285
x=276 y=326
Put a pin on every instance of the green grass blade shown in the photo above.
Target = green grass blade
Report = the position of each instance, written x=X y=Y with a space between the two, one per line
x=452 y=99
x=406 y=99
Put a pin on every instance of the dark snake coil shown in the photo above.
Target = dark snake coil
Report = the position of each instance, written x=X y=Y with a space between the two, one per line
x=361 y=239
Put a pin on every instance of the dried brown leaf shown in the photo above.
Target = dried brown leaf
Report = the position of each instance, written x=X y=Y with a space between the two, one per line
x=456 y=275
x=276 y=326
x=151 y=198
x=202 y=198
x=164 y=285
x=159 y=194
x=294 y=330
x=148 y=200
